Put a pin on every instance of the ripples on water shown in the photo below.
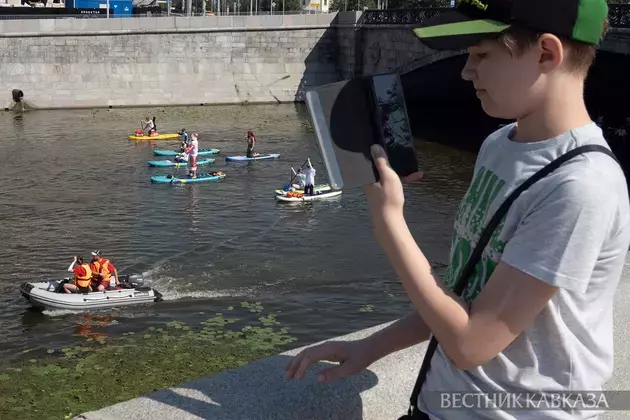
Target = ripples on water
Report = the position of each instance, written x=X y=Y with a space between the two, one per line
x=72 y=182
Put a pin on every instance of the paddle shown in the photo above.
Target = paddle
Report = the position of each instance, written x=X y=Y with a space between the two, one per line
x=288 y=186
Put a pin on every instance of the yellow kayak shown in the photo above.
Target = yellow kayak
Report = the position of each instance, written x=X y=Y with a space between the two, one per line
x=158 y=137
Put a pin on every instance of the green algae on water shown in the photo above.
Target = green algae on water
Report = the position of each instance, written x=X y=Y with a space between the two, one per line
x=367 y=308
x=104 y=371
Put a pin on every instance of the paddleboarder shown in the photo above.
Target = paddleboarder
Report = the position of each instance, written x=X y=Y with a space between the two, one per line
x=192 y=151
x=309 y=179
x=251 y=142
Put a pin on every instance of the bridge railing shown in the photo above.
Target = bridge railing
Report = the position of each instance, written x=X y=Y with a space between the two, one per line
x=618 y=16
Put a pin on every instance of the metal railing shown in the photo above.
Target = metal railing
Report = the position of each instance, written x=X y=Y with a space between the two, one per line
x=101 y=14
x=618 y=16
x=399 y=16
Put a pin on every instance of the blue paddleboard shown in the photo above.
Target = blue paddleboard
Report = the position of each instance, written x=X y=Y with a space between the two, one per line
x=201 y=152
x=260 y=157
x=170 y=179
x=169 y=163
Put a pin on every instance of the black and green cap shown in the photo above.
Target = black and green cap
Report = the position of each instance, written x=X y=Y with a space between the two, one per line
x=473 y=21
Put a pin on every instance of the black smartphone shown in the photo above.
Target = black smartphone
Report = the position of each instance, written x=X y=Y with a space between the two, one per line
x=352 y=115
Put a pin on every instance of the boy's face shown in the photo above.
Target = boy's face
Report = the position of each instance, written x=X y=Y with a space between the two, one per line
x=507 y=85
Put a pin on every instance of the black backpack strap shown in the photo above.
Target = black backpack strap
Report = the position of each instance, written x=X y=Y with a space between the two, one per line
x=469 y=269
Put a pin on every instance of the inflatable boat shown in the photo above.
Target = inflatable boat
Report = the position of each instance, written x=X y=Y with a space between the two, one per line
x=50 y=295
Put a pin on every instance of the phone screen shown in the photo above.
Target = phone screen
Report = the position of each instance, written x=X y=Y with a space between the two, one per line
x=394 y=126
x=352 y=115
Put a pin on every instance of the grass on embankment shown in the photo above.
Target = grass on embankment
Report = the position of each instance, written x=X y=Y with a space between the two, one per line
x=66 y=382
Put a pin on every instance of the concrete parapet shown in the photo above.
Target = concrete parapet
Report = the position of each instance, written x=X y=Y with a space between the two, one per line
x=258 y=390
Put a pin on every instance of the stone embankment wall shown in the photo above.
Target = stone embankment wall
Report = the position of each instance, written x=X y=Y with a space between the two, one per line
x=67 y=63
x=165 y=61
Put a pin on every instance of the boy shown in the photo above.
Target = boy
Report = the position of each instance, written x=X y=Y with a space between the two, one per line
x=537 y=312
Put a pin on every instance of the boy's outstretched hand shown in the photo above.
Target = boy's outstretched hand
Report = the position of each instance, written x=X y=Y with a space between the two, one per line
x=352 y=356
x=386 y=197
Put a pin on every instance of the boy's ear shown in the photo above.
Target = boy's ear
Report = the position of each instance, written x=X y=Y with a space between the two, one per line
x=552 y=52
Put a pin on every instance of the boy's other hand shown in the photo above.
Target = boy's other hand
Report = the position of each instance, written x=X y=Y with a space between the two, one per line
x=352 y=356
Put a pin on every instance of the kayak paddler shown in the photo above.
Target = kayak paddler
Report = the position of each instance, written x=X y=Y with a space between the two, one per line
x=192 y=151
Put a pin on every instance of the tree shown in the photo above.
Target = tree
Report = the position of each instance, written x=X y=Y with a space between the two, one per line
x=350 y=5
x=289 y=5
x=343 y=5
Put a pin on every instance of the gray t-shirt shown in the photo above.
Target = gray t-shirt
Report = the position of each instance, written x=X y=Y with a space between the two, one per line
x=569 y=230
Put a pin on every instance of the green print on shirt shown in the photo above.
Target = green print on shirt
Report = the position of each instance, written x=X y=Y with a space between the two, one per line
x=471 y=218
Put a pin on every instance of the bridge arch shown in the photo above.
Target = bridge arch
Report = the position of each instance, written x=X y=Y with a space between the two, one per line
x=428 y=60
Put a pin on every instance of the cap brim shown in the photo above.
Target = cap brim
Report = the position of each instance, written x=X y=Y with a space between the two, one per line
x=455 y=31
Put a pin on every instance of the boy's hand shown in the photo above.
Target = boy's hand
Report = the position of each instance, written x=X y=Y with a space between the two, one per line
x=352 y=356
x=386 y=198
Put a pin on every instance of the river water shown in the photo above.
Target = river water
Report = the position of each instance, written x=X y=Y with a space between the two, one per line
x=71 y=182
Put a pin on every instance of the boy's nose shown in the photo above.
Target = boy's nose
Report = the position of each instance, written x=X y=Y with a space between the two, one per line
x=468 y=72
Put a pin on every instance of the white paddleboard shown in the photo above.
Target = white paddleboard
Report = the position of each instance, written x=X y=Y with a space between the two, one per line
x=308 y=197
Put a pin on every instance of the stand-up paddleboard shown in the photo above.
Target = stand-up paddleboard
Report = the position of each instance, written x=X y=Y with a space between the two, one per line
x=171 y=179
x=201 y=152
x=157 y=137
x=298 y=197
x=316 y=188
x=170 y=163
x=259 y=157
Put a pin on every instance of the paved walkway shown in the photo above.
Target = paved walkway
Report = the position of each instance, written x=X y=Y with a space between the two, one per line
x=258 y=390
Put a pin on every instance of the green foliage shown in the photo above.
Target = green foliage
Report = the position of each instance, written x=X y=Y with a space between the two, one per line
x=391 y=4
x=289 y=5
x=104 y=371
x=350 y=5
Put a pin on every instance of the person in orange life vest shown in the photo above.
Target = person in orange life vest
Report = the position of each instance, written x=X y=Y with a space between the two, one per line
x=102 y=270
x=191 y=151
x=82 y=277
